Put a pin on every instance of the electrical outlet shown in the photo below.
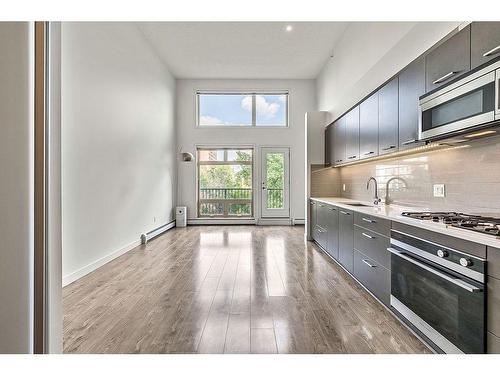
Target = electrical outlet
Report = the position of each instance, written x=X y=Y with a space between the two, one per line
x=343 y=187
x=439 y=190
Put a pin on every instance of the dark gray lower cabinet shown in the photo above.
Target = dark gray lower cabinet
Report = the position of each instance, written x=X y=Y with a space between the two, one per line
x=373 y=276
x=346 y=239
x=332 y=243
x=322 y=224
x=312 y=218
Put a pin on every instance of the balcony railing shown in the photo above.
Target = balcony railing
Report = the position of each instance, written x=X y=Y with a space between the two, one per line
x=274 y=198
x=225 y=202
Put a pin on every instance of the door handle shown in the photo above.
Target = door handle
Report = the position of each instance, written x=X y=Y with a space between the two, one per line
x=444 y=78
x=344 y=213
x=409 y=141
x=368 y=236
x=368 y=220
x=388 y=148
x=368 y=263
x=492 y=51
x=369 y=153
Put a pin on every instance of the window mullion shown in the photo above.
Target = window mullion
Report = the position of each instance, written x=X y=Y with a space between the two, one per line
x=254 y=110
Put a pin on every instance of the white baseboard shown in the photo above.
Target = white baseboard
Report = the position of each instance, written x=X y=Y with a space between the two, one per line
x=298 y=221
x=215 y=221
x=284 y=221
x=156 y=232
x=72 y=277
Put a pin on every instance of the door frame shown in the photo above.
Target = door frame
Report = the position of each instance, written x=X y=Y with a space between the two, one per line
x=287 y=188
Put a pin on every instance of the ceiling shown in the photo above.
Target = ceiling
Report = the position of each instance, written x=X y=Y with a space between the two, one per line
x=252 y=50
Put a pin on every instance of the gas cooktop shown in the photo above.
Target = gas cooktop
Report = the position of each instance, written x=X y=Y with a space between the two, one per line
x=476 y=223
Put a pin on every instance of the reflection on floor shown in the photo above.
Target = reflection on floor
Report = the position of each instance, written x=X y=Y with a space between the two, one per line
x=227 y=289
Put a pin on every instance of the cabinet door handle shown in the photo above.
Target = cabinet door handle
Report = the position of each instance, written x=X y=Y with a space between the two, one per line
x=368 y=263
x=369 y=153
x=352 y=157
x=338 y=161
x=321 y=205
x=344 y=213
x=368 y=220
x=388 y=148
x=444 y=78
x=368 y=236
x=492 y=51
x=409 y=141
x=332 y=209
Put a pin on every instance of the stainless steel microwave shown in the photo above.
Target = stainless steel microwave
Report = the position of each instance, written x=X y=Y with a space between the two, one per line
x=462 y=106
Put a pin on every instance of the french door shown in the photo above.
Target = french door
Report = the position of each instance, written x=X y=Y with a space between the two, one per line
x=275 y=184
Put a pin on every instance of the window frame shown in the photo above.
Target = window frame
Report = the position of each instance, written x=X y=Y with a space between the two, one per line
x=253 y=93
x=225 y=148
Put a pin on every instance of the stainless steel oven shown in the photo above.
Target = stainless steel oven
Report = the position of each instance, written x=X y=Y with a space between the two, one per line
x=469 y=103
x=440 y=292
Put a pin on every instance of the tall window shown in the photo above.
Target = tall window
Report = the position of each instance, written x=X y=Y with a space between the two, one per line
x=225 y=177
x=240 y=109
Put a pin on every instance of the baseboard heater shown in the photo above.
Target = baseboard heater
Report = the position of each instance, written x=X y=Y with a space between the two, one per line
x=145 y=237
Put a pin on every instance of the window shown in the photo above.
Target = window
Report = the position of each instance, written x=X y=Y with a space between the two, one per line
x=242 y=109
x=225 y=182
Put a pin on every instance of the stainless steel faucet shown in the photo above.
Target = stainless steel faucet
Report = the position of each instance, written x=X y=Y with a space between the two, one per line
x=387 y=199
x=376 y=199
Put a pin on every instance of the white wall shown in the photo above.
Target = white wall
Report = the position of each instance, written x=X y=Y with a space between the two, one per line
x=367 y=55
x=16 y=186
x=118 y=137
x=302 y=99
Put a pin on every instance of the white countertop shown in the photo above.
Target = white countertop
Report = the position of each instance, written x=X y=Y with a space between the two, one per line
x=393 y=212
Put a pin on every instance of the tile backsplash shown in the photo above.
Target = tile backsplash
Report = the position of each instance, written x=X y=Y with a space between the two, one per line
x=470 y=172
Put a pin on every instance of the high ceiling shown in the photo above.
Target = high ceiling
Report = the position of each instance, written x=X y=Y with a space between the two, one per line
x=254 y=50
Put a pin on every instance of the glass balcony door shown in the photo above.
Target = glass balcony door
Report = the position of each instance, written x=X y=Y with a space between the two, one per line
x=275 y=183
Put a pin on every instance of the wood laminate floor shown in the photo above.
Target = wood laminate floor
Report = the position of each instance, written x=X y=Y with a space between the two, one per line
x=227 y=289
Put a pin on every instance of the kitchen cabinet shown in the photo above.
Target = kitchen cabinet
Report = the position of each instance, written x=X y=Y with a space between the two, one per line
x=411 y=84
x=493 y=307
x=388 y=120
x=492 y=344
x=352 y=135
x=368 y=127
x=322 y=224
x=329 y=157
x=449 y=60
x=346 y=245
x=312 y=218
x=373 y=276
x=373 y=245
x=339 y=140
x=485 y=42
x=332 y=246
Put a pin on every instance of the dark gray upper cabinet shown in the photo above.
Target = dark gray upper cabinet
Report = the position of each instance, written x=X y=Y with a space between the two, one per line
x=448 y=61
x=346 y=239
x=352 y=134
x=339 y=141
x=368 y=127
x=329 y=157
x=485 y=42
x=388 y=120
x=411 y=87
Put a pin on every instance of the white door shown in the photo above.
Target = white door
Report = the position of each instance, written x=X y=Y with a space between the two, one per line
x=275 y=184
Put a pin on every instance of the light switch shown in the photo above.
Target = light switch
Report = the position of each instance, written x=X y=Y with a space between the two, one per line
x=439 y=190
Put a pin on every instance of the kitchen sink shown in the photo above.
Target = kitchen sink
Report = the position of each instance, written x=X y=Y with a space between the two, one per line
x=358 y=204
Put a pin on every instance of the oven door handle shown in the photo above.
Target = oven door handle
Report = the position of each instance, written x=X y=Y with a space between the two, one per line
x=462 y=284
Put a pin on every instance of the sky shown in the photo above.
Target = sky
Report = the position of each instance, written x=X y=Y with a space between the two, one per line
x=237 y=109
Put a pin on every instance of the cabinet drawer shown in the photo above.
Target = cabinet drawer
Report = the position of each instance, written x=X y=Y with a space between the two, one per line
x=493 y=257
x=492 y=344
x=493 y=307
x=373 y=223
x=372 y=244
x=373 y=276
